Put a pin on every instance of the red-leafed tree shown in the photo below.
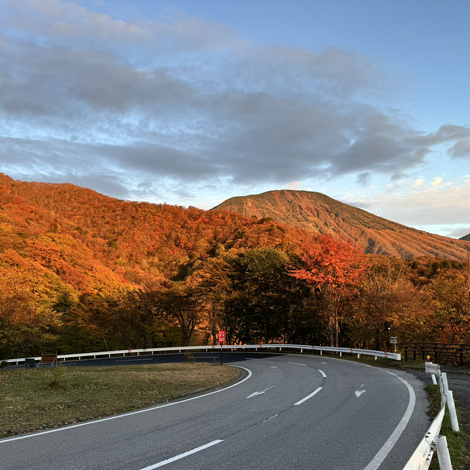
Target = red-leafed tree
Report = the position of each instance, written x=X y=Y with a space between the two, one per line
x=332 y=267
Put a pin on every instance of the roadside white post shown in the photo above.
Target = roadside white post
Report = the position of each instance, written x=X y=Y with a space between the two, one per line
x=444 y=382
x=443 y=453
x=452 y=413
x=434 y=381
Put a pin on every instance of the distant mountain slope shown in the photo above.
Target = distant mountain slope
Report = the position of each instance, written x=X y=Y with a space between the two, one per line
x=466 y=237
x=319 y=213
x=81 y=236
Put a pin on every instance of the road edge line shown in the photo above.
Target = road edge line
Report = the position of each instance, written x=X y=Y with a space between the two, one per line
x=109 y=418
x=375 y=463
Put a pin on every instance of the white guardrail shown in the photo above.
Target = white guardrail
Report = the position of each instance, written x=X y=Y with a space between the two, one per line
x=432 y=441
x=421 y=458
x=228 y=347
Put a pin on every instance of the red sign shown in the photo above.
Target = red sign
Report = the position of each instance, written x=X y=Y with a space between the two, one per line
x=221 y=336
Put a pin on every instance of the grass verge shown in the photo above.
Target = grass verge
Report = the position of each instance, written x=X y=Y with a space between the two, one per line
x=44 y=398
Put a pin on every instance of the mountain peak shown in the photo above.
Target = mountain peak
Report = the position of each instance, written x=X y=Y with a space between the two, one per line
x=320 y=213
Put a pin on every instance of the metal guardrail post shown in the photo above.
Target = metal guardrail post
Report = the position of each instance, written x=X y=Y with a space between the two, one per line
x=443 y=453
x=445 y=383
x=452 y=412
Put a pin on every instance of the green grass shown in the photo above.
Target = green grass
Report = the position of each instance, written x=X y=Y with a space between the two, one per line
x=43 y=398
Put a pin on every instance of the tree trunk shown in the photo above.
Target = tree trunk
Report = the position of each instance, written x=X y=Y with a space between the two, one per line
x=327 y=308
x=336 y=328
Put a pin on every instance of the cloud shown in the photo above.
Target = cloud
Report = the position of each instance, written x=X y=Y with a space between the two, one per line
x=418 y=182
x=460 y=149
x=428 y=205
x=294 y=185
x=363 y=179
x=52 y=22
x=458 y=232
x=185 y=102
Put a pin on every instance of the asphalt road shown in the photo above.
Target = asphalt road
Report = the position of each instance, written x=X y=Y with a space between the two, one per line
x=288 y=412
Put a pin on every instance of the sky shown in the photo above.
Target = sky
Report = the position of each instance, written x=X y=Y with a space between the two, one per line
x=190 y=102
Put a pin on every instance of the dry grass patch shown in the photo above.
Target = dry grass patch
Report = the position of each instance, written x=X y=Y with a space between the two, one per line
x=36 y=399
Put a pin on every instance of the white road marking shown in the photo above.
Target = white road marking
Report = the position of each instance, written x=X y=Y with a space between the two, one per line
x=182 y=456
x=392 y=440
x=359 y=392
x=308 y=396
x=297 y=363
x=273 y=367
x=255 y=394
x=146 y=410
x=322 y=373
x=322 y=362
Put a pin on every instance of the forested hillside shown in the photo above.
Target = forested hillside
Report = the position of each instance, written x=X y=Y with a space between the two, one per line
x=68 y=249
x=80 y=271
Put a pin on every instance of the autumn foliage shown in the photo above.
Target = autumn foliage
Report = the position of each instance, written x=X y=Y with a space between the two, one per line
x=80 y=271
x=335 y=269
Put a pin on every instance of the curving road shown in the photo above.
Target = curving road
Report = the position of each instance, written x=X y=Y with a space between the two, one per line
x=289 y=412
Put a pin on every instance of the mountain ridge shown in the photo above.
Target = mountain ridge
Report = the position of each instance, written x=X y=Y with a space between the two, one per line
x=320 y=213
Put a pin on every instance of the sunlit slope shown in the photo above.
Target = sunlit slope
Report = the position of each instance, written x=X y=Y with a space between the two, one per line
x=78 y=234
x=320 y=213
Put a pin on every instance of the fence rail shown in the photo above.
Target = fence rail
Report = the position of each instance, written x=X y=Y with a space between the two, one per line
x=447 y=354
x=227 y=347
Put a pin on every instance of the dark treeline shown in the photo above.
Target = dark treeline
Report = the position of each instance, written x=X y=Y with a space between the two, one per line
x=255 y=297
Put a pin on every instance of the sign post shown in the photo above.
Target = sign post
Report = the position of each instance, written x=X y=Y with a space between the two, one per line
x=221 y=341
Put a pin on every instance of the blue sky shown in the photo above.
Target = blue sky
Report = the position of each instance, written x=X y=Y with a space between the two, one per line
x=191 y=102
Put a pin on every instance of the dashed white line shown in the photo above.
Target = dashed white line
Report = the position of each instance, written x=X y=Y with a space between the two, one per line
x=297 y=363
x=322 y=373
x=182 y=456
x=308 y=396
x=255 y=394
